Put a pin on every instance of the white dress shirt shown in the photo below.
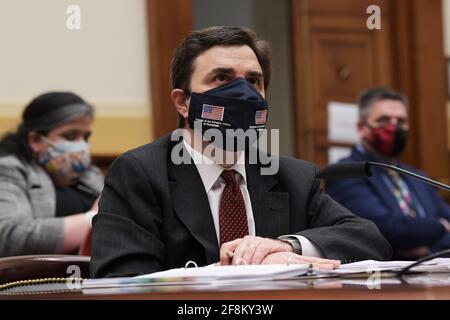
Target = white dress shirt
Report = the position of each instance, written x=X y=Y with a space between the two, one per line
x=214 y=184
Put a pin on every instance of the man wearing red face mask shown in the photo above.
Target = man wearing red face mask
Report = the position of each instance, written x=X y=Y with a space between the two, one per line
x=410 y=214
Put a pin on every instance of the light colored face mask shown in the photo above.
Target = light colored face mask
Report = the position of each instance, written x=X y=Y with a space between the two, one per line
x=67 y=159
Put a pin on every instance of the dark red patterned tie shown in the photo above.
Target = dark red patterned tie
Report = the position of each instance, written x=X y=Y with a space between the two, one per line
x=232 y=216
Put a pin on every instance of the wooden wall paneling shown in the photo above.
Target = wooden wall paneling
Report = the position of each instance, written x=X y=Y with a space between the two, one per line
x=421 y=74
x=304 y=130
x=403 y=57
x=430 y=88
x=168 y=23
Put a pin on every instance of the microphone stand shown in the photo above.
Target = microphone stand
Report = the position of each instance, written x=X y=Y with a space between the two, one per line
x=409 y=173
x=422 y=260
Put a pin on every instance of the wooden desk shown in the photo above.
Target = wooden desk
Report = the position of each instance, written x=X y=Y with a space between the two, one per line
x=412 y=288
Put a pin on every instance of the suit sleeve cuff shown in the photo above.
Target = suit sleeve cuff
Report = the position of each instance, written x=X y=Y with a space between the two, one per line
x=307 y=247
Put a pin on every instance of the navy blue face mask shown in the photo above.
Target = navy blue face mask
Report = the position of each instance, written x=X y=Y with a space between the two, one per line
x=235 y=105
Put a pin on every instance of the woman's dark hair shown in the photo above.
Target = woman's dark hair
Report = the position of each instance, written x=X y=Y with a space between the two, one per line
x=200 y=41
x=41 y=115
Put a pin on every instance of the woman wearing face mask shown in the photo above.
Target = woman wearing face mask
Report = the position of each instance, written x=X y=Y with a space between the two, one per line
x=48 y=187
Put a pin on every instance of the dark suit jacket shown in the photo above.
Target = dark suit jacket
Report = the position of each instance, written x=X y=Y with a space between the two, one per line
x=371 y=198
x=155 y=215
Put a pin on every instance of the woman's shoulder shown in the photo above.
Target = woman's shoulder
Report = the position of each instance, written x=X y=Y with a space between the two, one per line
x=13 y=162
x=93 y=179
x=12 y=168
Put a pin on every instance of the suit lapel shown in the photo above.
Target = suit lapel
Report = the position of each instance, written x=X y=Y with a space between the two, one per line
x=270 y=208
x=191 y=204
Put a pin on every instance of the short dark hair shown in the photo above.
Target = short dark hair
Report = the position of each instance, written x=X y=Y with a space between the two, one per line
x=368 y=97
x=200 y=41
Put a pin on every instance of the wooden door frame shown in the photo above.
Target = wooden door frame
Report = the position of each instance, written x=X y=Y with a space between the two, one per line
x=422 y=77
x=168 y=22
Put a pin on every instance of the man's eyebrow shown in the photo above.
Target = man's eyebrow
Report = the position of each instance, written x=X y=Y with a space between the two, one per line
x=222 y=70
x=255 y=74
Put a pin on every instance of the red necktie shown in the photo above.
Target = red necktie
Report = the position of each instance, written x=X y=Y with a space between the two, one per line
x=232 y=215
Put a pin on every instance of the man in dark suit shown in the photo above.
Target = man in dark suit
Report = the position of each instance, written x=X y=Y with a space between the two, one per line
x=158 y=213
x=410 y=214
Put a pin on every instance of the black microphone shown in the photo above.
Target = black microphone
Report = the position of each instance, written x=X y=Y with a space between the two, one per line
x=345 y=170
x=350 y=170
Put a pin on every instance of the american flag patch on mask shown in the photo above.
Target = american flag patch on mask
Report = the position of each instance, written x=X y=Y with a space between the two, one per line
x=212 y=112
x=261 y=117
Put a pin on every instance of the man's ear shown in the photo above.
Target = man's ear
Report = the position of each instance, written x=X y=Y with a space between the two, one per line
x=360 y=124
x=181 y=102
x=362 y=128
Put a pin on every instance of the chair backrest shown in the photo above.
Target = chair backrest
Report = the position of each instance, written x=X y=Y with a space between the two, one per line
x=43 y=266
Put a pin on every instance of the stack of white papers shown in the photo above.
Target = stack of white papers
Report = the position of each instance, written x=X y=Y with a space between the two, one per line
x=206 y=275
x=234 y=272
x=438 y=265
x=246 y=273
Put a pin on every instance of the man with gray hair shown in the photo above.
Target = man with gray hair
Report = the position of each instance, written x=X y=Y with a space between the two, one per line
x=409 y=213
